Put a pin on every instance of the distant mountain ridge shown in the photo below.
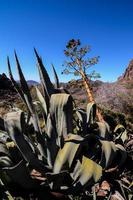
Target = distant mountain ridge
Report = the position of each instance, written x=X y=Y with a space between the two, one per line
x=32 y=83
x=5 y=82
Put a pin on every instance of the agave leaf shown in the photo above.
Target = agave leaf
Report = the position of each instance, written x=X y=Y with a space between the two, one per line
x=15 y=126
x=124 y=136
x=57 y=84
x=45 y=80
x=27 y=96
x=108 y=153
x=23 y=82
x=67 y=153
x=24 y=85
x=28 y=99
x=42 y=102
x=15 y=84
x=61 y=111
x=121 y=133
x=91 y=113
x=104 y=129
x=46 y=96
x=42 y=117
x=52 y=147
x=86 y=171
x=81 y=115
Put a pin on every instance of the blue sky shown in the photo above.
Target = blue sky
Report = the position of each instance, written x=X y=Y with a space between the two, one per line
x=106 y=25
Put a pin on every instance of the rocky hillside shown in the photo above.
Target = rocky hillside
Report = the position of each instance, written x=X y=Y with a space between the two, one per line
x=5 y=83
x=7 y=91
x=8 y=95
x=117 y=96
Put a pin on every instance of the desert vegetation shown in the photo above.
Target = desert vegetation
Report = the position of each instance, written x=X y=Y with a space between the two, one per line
x=53 y=149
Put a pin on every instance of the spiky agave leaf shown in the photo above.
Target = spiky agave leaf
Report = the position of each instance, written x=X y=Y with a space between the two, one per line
x=27 y=95
x=44 y=77
x=28 y=99
x=17 y=87
x=15 y=84
x=42 y=102
x=23 y=82
x=46 y=96
x=24 y=85
x=57 y=84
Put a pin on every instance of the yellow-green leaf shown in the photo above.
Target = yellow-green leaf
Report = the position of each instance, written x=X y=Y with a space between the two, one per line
x=86 y=171
x=67 y=153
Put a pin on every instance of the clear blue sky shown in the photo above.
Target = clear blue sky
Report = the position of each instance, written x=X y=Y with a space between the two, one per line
x=106 y=25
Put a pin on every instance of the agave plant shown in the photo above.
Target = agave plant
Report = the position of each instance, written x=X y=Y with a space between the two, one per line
x=69 y=163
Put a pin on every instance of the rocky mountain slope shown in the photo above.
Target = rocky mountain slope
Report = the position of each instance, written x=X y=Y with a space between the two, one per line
x=117 y=96
x=128 y=74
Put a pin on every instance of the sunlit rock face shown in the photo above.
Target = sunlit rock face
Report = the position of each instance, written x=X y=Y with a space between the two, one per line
x=128 y=74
